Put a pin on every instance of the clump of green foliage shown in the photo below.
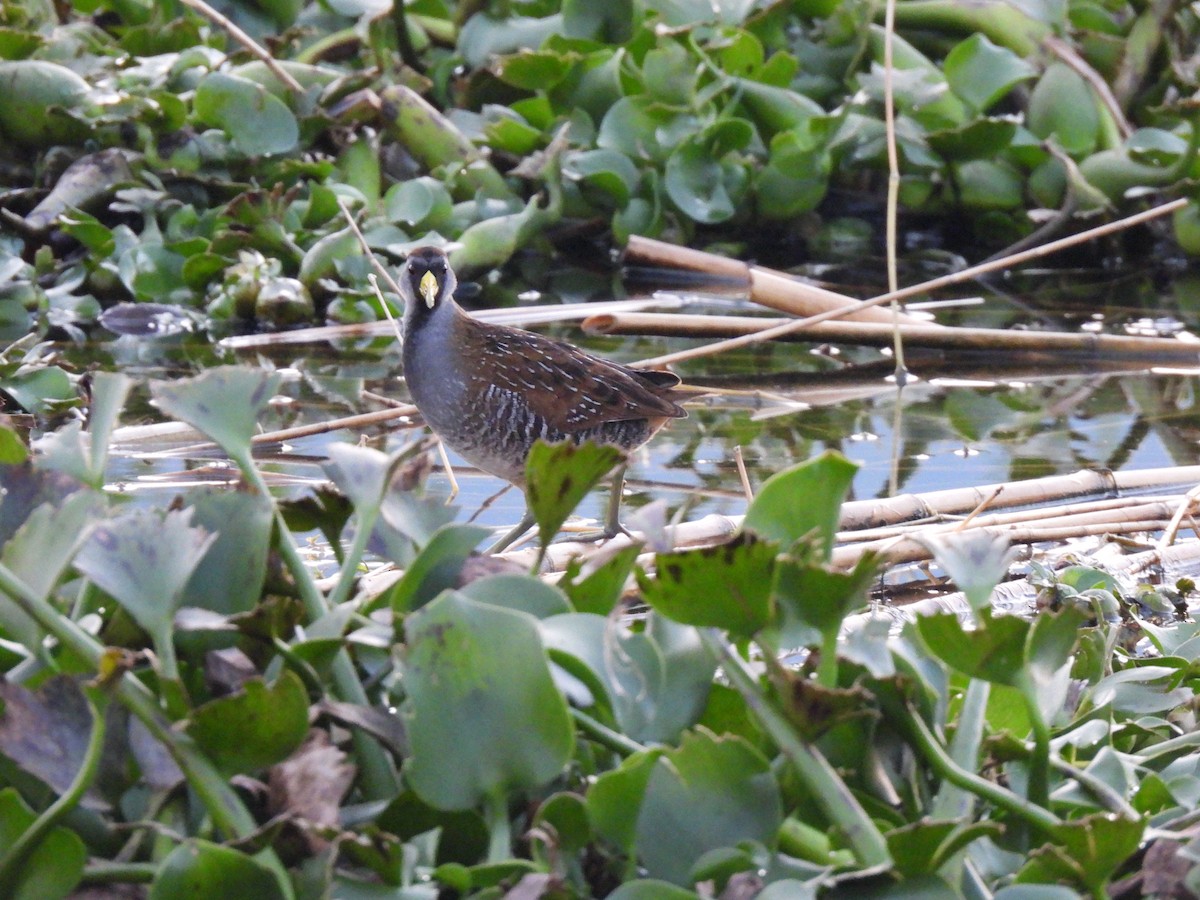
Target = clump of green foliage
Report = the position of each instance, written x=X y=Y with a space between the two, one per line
x=218 y=720
x=176 y=159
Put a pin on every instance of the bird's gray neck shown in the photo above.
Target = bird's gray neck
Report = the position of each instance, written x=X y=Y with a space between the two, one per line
x=429 y=353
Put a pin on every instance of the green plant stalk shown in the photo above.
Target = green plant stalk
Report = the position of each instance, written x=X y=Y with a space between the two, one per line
x=214 y=792
x=1003 y=23
x=605 y=736
x=495 y=813
x=104 y=872
x=951 y=801
x=1039 y=762
x=15 y=856
x=835 y=799
x=378 y=774
x=173 y=694
x=937 y=757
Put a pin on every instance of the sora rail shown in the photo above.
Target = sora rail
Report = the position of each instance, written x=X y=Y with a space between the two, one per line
x=490 y=391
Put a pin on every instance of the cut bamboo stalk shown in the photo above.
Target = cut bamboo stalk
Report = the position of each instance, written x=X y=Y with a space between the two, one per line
x=523 y=315
x=767 y=287
x=988 y=340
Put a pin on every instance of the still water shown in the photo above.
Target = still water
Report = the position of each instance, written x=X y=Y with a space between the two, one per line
x=959 y=421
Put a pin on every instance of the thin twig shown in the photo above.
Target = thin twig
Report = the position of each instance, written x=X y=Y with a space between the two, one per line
x=1184 y=508
x=742 y=474
x=924 y=287
x=256 y=49
x=984 y=504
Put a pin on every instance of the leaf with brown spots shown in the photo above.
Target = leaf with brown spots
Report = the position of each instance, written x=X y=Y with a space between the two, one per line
x=727 y=586
x=559 y=476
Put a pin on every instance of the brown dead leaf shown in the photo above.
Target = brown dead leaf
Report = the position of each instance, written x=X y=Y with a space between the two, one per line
x=309 y=785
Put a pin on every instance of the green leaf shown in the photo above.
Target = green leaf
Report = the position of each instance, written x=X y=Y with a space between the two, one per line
x=39 y=553
x=615 y=798
x=980 y=139
x=795 y=178
x=436 y=568
x=522 y=593
x=39 y=390
x=1062 y=106
x=257 y=122
x=727 y=586
x=981 y=73
x=53 y=867
x=1088 y=851
x=804 y=499
x=605 y=171
x=728 y=792
x=703 y=179
x=477 y=670
x=144 y=559
x=558 y=476
x=223 y=403
x=994 y=652
x=109 y=390
x=230 y=579
x=256 y=728
x=596 y=586
x=651 y=889
x=201 y=870
x=12 y=448
x=419 y=202
x=532 y=71
x=812 y=596
x=976 y=561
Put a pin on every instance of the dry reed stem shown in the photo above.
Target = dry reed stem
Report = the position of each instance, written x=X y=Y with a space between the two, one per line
x=248 y=42
x=1088 y=345
x=924 y=287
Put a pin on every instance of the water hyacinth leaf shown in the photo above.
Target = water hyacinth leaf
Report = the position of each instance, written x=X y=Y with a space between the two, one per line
x=53 y=867
x=1062 y=105
x=223 y=403
x=436 y=567
x=794 y=179
x=257 y=122
x=39 y=390
x=727 y=586
x=483 y=37
x=39 y=552
x=813 y=597
x=423 y=202
x=143 y=559
x=256 y=728
x=980 y=73
x=702 y=182
x=980 y=139
x=203 y=870
x=804 y=499
x=728 y=791
x=651 y=889
x=463 y=836
x=66 y=450
x=109 y=390
x=45 y=734
x=530 y=70
x=235 y=567
x=361 y=473
x=12 y=449
x=995 y=651
x=596 y=587
x=1050 y=652
x=1088 y=851
x=558 y=476
x=610 y=23
x=976 y=562
x=923 y=847
x=606 y=171
x=519 y=592
x=460 y=651
x=615 y=798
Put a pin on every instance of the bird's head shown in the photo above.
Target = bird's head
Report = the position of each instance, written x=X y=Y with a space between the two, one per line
x=426 y=281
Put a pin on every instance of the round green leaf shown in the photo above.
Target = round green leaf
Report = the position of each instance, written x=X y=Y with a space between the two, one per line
x=485 y=718
x=201 y=870
x=256 y=728
x=257 y=122
x=981 y=73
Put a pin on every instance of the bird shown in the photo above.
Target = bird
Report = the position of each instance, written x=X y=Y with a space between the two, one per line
x=489 y=391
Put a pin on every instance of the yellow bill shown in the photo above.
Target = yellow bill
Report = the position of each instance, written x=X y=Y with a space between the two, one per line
x=429 y=289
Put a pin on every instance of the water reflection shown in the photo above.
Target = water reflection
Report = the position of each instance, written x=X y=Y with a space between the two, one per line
x=959 y=422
